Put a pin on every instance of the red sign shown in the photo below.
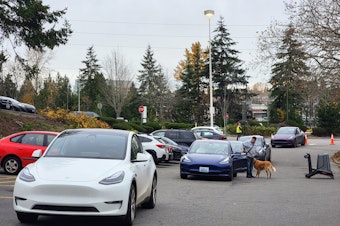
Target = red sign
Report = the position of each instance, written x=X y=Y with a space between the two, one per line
x=141 y=109
x=227 y=116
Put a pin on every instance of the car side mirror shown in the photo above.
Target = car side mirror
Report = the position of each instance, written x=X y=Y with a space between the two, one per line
x=141 y=157
x=37 y=153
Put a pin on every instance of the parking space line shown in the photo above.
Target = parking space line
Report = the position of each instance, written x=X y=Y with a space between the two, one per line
x=6 y=197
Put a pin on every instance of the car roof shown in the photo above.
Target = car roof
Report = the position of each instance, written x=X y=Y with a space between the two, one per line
x=99 y=130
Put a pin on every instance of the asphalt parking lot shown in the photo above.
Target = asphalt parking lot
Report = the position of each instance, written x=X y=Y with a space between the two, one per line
x=287 y=199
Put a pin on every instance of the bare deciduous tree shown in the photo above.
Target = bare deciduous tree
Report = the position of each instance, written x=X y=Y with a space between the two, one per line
x=118 y=80
x=318 y=24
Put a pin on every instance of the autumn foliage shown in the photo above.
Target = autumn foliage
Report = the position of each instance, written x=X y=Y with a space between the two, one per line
x=73 y=120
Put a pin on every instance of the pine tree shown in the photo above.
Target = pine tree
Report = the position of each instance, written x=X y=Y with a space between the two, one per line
x=228 y=75
x=153 y=84
x=288 y=76
x=192 y=102
x=91 y=80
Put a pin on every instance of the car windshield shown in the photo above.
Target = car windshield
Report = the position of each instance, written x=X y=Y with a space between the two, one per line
x=287 y=130
x=237 y=147
x=79 y=144
x=210 y=147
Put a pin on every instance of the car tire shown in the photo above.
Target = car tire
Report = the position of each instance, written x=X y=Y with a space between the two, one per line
x=154 y=156
x=151 y=203
x=235 y=174
x=273 y=145
x=295 y=144
x=12 y=165
x=131 y=211
x=184 y=176
x=303 y=142
x=230 y=176
x=27 y=217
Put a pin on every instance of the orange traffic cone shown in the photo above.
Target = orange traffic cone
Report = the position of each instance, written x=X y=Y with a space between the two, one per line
x=332 y=139
x=306 y=139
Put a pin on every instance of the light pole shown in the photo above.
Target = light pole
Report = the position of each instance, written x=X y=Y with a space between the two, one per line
x=209 y=14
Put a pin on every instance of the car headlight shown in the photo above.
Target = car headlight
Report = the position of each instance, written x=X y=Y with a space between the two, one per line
x=291 y=138
x=26 y=175
x=185 y=159
x=113 y=179
x=225 y=161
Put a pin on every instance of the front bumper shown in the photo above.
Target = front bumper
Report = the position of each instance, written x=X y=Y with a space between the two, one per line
x=71 y=199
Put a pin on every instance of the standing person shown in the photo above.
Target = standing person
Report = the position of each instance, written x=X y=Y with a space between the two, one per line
x=250 y=150
x=238 y=130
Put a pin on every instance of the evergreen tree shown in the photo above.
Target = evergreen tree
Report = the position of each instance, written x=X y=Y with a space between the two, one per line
x=133 y=101
x=91 y=80
x=288 y=76
x=47 y=95
x=33 y=24
x=228 y=75
x=8 y=87
x=192 y=102
x=64 y=91
x=152 y=83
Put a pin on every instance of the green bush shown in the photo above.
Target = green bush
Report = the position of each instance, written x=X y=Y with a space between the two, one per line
x=122 y=125
x=320 y=132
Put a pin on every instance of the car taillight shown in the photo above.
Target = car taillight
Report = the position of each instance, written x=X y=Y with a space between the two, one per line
x=168 y=149
x=160 y=145
x=223 y=136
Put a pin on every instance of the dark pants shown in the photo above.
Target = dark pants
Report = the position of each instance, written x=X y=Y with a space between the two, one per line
x=238 y=135
x=250 y=164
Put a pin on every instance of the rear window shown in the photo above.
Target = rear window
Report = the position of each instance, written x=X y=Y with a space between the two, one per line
x=187 y=134
x=172 y=134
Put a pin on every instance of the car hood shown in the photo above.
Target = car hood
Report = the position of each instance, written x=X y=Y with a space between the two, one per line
x=75 y=169
x=206 y=158
x=283 y=136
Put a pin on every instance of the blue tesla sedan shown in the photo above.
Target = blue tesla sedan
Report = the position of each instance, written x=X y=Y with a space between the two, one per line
x=212 y=158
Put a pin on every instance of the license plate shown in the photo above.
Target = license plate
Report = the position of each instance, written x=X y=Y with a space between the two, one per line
x=204 y=169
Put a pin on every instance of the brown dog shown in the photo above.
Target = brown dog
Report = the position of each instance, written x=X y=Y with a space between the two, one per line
x=264 y=165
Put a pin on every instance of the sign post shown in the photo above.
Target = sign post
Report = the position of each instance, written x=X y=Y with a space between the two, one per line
x=143 y=112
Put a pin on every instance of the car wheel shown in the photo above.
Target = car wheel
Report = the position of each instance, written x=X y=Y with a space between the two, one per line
x=230 y=176
x=131 y=211
x=273 y=145
x=235 y=175
x=303 y=142
x=27 y=217
x=295 y=144
x=154 y=156
x=12 y=165
x=150 y=204
x=184 y=176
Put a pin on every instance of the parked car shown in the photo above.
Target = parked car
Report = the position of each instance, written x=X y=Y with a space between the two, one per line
x=212 y=158
x=260 y=144
x=88 y=113
x=215 y=129
x=210 y=134
x=87 y=172
x=180 y=136
x=288 y=136
x=12 y=104
x=159 y=150
x=177 y=150
x=16 y=149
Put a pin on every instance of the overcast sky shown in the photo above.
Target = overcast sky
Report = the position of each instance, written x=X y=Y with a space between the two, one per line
x=168 y=26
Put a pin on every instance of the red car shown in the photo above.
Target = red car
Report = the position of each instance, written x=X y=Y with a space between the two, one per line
x=16 y=149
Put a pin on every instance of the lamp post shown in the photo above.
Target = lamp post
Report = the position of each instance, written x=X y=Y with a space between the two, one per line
x=209 y=14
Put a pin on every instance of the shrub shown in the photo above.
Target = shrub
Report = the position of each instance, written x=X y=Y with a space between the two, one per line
x=320 y=132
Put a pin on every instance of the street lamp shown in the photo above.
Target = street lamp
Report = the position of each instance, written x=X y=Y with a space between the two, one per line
x=209 y=14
